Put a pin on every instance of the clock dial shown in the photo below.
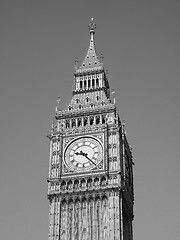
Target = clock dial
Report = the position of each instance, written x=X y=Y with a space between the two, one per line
x=83 y=154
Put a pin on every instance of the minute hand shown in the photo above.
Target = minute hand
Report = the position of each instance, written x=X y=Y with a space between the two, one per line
x=85 y=155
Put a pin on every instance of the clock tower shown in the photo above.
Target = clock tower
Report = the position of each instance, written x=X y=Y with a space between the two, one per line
x=90 y=182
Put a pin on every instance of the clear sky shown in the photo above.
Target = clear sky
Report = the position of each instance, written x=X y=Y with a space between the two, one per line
x=140 y=42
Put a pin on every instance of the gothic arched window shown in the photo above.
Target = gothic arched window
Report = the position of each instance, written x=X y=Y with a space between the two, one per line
x=93 y=83
x=91 y=120
x=96 y=182
x=79 y=122
x=76 y=184
x=97 y=82
x=89 y=183
x=89 y=83
x=85 y=121
x=63 y=185
x=97 y=119
x=81 y=84
x=103 y=181
x=73 y=123
x=85 y=84
x=69 y=185
x=83 y=183
x=67 y=124
x=103 y=119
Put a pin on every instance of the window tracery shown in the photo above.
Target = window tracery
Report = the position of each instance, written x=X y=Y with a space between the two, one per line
x=83 y=183
x=63 y=185
x=103 y=181
x=69 y=185
x=103 y=119
x=79 y=122
x=91 y=120
x=67 y=123
x=73 y=123
x=96 y=182
x=85 y=121
x=97 y=120
x=89 y=183
x=76 y=184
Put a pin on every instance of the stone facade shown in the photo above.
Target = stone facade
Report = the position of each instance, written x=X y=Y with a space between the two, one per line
x=90 y=182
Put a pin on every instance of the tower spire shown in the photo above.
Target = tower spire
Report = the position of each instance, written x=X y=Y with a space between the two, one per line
x=91 y=61
x=92 y=27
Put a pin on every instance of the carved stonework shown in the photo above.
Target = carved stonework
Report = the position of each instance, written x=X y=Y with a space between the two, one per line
x=90 y=181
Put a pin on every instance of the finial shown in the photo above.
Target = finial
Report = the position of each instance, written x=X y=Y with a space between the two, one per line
x=52 y=126
x=123 y=124
x=113 y=93
x=58 y=101
x=92 y=27
x=76 y=63
x=101 y=56
x=123 y=127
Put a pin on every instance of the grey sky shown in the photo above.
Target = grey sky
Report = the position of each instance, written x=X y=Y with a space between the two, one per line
x=39 y=42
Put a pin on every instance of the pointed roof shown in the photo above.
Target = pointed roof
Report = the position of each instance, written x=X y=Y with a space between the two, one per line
x=91 y=61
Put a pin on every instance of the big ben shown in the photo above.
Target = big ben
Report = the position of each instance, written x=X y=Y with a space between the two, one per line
x=90 y=182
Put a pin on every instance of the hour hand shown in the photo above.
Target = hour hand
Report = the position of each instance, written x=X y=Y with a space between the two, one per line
x=80 y=153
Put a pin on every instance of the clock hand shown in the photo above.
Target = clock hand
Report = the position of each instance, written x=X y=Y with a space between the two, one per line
x=80 y=153
x=85 y=155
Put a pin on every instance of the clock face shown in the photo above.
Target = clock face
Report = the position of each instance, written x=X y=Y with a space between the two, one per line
x=83 y=154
